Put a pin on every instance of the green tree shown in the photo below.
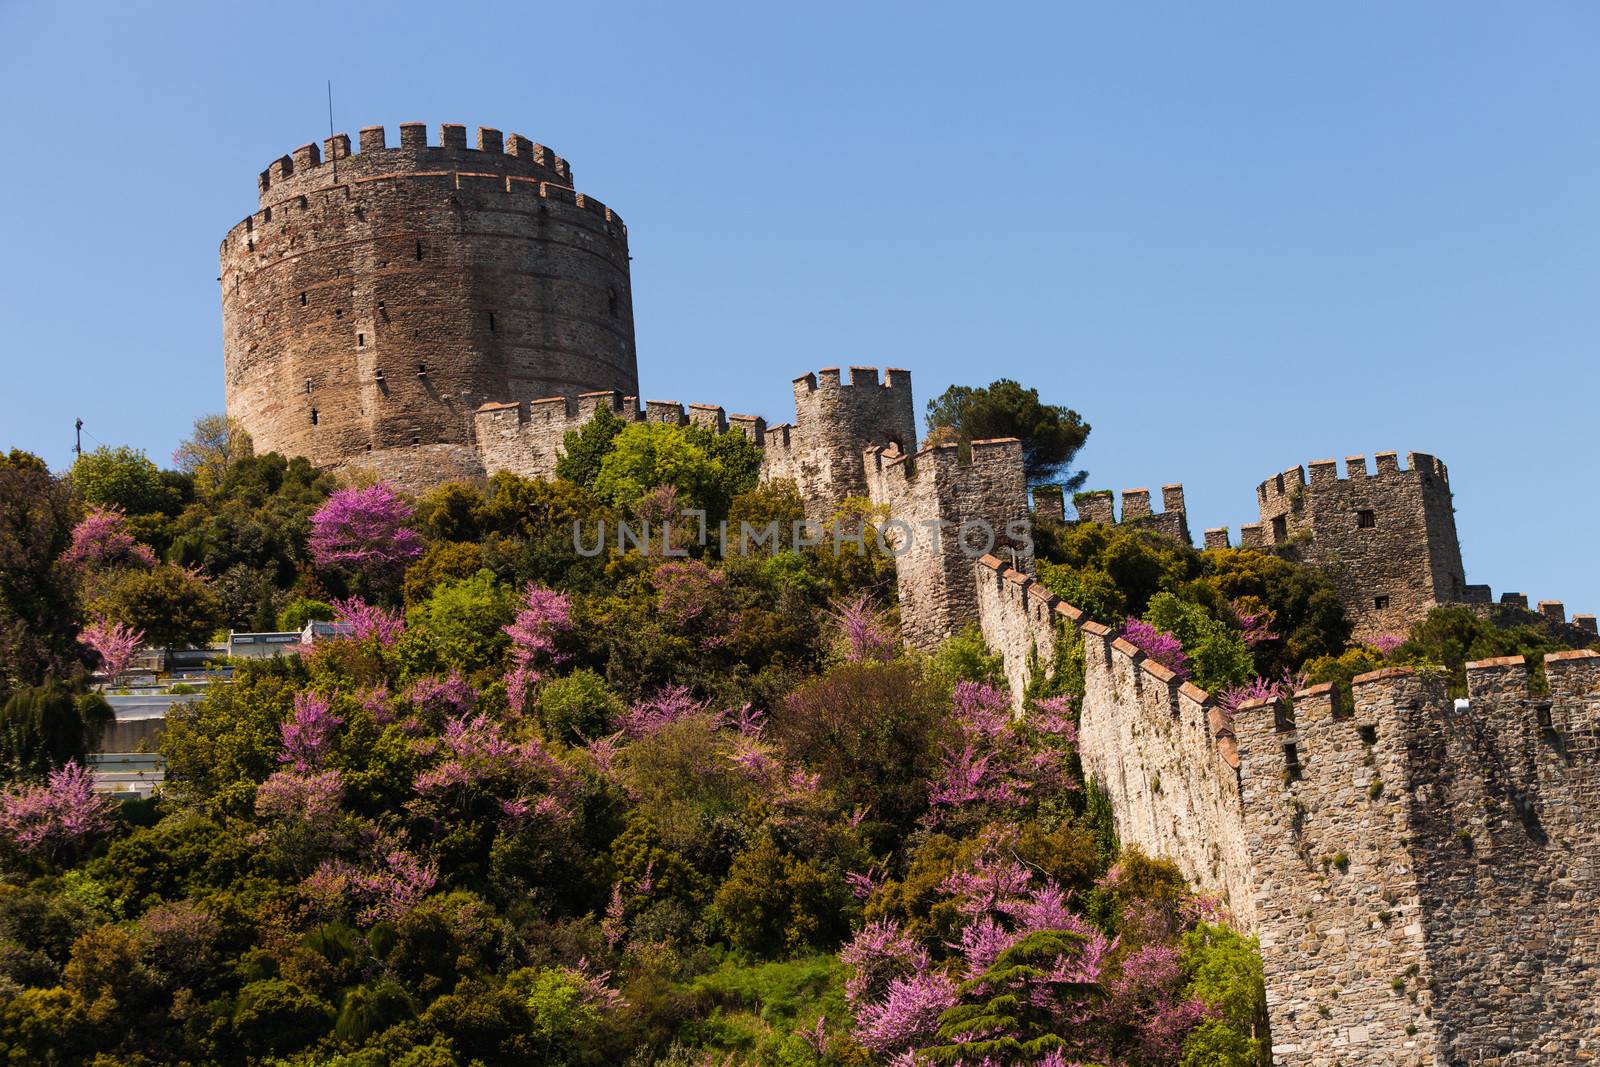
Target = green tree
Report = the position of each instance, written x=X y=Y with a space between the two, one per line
x=38 y=598
x=275 y=1016
x=1019 y=1016
x=218 y=443
x=874 y=731
x=120 y=477
x=584 y=450
x=1051 y=435
x=46 y=726
x=707 y=469
x=774 y=902
x=302 y=610
x=579 y=707
x=1223 y=969
x=463 y=621
x=174 y=608
x=220 y=746
x=1217 y=654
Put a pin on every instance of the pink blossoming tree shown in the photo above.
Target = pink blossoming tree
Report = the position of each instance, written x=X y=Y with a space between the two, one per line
x=114 y=642
x=542 y=618
x=364 y=531
x=101 y=541
x=54 y=819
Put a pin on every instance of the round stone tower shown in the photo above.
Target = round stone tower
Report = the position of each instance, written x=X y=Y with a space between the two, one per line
x=376 y=300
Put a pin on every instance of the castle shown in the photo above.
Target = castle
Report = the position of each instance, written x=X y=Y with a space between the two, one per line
x=1422 y=872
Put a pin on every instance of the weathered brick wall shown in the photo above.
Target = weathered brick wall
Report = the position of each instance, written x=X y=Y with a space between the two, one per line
x=419 y=283
x=929 y=497
x=1422 y=875
x=1388 y=574
x=1163 y=753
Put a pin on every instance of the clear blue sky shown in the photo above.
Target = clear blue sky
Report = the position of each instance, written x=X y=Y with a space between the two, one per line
x=1234 y=236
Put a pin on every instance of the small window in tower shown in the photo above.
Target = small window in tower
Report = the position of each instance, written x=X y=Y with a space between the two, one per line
x=422 y=370
x=302 y=300
x=338 y=313
x=1280 y=529
x=491 y=322
x=1366 y=520
x=1291 y=763
x=1380 y=603
x=611 y=299
x=419 y=248
x=361 y=340
x=313 y=416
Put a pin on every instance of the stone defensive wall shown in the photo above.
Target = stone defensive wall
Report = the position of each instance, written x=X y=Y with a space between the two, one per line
x=1160 y=748
x=1423 y=872
x=525 y=437
x=947 y=507
x=1100 y=506
x=1387 y=537
x=377 y=299
x=834 y=422
x=820 y=450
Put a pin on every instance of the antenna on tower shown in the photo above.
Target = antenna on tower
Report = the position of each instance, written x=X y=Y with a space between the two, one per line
x=333 y=149
x=78 y=447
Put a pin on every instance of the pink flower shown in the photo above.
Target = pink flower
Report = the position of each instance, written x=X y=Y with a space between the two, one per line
x=1387 y=643
x=114 y=643
x=544 y=616
x=661 y=710
x=61 y=814
x=1253 y=626
x=359 y=621
x=364 y=530
x=450 y=695
x=308 y=731
x=865 y=632
x=1159 y=645
x=101 y=541
x=298 y=796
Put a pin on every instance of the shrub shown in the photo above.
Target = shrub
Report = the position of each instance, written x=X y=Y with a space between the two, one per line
x=579 y=707
x=873 y=730
x=302 y=610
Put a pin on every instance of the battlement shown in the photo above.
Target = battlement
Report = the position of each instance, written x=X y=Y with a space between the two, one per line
x=1324 y=473
x=862 y=378
x=941 y=462
x=312 y=166
x=1371 y=843
x=1100 y=506
x=834 y=421
x=1387 y=535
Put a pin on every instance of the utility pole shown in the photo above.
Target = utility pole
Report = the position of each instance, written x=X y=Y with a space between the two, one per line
x=78 y=447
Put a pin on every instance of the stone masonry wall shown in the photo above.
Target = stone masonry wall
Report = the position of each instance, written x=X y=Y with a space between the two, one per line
x=821 y=450
x=834 y=423
x=1422 y=873
x=1160 y=749
x=930 y=496
x=1448 y=848
x=1100 y=506
x=1387 y=539
x=376 y=300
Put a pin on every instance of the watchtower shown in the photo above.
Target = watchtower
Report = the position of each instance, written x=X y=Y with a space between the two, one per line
x=376 y=299
x=1386 y=538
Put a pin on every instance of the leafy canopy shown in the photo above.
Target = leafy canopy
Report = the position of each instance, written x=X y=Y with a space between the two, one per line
x=1051 y=435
